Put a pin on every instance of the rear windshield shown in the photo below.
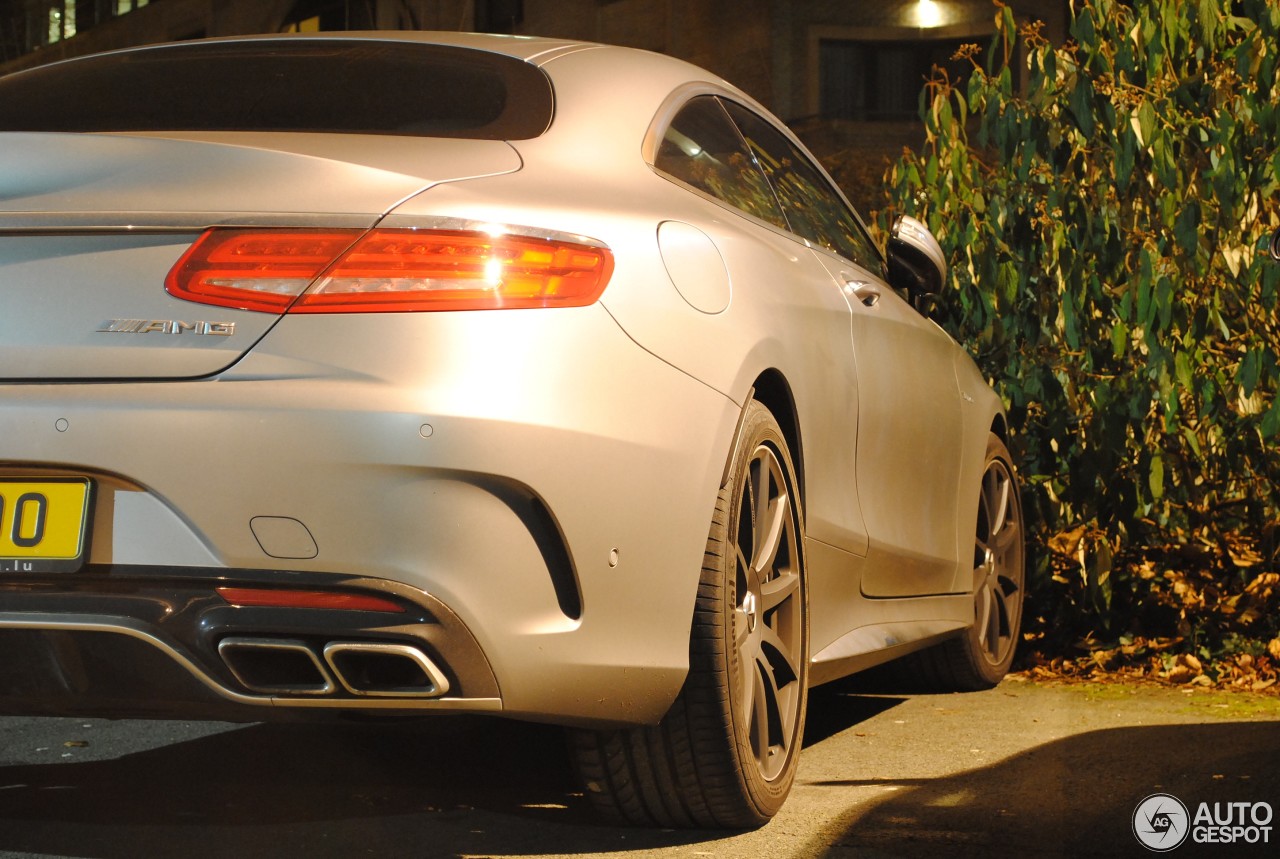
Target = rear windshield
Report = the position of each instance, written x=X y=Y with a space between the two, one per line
x=316 y=85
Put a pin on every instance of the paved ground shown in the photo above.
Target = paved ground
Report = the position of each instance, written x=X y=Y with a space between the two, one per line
x=1024 y=770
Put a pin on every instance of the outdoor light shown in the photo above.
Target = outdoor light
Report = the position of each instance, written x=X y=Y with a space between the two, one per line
x=928 y=13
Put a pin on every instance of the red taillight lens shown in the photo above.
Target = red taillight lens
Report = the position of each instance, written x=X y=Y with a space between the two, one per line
x=272 y=598
x=255 y=269
x=387 y=270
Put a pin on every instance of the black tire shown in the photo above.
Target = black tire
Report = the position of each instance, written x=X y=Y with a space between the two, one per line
x=725 y=755
x=981 y=657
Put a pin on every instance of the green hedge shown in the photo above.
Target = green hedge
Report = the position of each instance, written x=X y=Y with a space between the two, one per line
x=1105 y=207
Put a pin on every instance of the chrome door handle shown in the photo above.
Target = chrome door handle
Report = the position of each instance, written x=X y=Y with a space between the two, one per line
x=865 y=291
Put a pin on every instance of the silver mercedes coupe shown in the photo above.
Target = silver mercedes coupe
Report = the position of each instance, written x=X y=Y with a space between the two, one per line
x=419 y=373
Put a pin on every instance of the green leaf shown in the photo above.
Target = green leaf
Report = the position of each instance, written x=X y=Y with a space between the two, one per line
x=1250 y=369
x=1182 y=370
x=1208 y=21
x=945 y=117
x=1186 y=227
x=1081 y=105
x=1146 y=123
x=977 y=82
x=1192 y=441
x=1119 y=339
x=1270 y=426
x=1155 y=477
x=1164 y=302
x=1146 y=286
x=1125 y=157
x=1071 y=327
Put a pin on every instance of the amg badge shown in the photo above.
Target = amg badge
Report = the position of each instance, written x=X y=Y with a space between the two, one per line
x=166 y=326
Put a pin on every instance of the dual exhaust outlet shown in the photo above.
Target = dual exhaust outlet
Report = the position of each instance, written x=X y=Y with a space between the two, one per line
x=282 y=666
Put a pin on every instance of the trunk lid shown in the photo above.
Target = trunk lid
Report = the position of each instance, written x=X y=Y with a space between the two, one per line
x=90 y=225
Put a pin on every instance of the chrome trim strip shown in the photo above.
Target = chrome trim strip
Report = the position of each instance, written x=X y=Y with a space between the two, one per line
x=173 y=222
x=63 y=223
x=434 y=222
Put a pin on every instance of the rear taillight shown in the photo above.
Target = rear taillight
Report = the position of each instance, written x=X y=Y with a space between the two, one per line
x=339 y=271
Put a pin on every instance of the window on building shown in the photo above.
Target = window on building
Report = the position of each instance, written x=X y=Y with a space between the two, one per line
x=499 y=16
x=61 y=17
x=50 y=21
x=47 y=22
x=866 y=80
x=313 y=16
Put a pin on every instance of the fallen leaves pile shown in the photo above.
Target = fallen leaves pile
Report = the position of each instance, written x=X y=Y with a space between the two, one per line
x=1199 y=613
x=1157 y=661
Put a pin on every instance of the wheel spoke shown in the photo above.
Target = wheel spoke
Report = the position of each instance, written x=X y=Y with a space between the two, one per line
x=998 y=506
x=771 y=537
x=750 y=683
x=768 y=716
x=993 y=636
x=742 y=633
x=1008 y=587
x=786 y=653
x=1007 y=537
x=759 y=714
x=982 y=615
x=764 y=511
x=1000 y=616
x=980 y=569
x=777 y=591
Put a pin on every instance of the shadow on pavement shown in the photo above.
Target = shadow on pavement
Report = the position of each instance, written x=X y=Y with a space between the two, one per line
x=430 y=788
x=1074 y=796
x=477 y=787
x=438 y=787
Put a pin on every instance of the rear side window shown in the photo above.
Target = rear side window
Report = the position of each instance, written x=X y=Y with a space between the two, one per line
x=703 y=148
x=357 y=86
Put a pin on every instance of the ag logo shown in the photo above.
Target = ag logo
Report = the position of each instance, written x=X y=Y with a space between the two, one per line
x=1161 y=822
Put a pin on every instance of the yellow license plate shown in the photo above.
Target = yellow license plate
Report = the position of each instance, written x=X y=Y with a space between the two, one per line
x=44 y=524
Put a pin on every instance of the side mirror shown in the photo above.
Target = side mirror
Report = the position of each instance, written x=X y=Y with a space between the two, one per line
x=916 y=263
x=1275 y=246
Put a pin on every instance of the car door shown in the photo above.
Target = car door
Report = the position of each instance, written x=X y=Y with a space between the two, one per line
x=907 y=436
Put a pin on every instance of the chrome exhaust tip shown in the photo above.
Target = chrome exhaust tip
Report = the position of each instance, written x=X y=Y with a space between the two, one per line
x=385 y=670
x=276 y=666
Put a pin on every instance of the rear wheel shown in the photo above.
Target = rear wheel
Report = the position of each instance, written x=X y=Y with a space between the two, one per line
x=981 y=657
x=725 y=755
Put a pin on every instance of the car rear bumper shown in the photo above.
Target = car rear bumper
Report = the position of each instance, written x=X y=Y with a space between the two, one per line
x=533 y=475
x=165 y=641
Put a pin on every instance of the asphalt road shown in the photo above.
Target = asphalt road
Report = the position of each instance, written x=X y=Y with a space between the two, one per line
x=1023 y=770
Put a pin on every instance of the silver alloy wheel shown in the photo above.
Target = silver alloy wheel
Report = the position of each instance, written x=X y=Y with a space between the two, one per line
x=767 y=622
x=998 y=563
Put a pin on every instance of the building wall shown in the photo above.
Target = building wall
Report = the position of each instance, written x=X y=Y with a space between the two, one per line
x=159 y=21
